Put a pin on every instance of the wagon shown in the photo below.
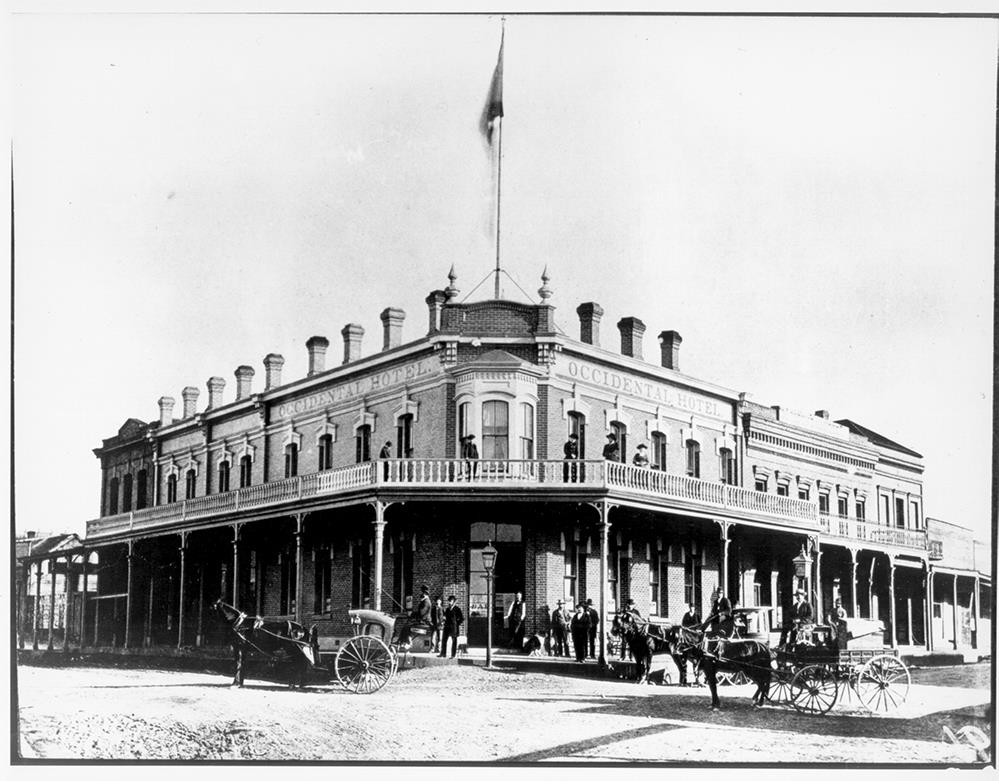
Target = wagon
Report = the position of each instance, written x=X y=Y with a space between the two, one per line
x=369 y=660
x=818 y=670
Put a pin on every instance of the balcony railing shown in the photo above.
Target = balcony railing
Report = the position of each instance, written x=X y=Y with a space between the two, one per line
x=459 y=475
x=852 y=528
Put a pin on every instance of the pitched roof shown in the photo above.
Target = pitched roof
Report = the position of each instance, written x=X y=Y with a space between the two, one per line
x=877 y=439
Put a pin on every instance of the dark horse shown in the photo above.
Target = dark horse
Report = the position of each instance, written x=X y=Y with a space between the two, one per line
x=281 y=642
x=747 y=656
x=642 y=644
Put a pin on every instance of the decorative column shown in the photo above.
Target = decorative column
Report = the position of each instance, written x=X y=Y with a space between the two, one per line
x=929 y=607
x=299 y=523
x=854 y=607
x=235 y=566
x=199 y=638
x=69 y=597
x=83 y=597
x=128 y=594
x=818 y=581
x=956 y=623
x=723 y=567
x=182 y=550
x=147 y=639
x=604 y=509
x=38 y=604
x=52 y=580
x=891 y=601
x=978 y=615
x=379 y=522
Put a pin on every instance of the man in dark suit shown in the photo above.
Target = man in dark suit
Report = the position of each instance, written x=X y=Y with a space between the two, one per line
x=799 y=615
x=594 y=617
x=453 y=619
x=690 y=619
x=560 y=629
x=436 y=619
x=721 y=615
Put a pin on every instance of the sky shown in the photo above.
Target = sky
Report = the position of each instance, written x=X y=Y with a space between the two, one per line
x=808 y=201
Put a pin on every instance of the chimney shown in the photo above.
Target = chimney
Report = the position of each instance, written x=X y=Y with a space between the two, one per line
x=190 y=397
x=317 y=353
x=392 y=327
x=822 y=413
x=435 y=302
x=30 y=535
x=272 y=367
x=166 y=410
x=589 y=322
x=352 y=334
x=631 y=329
x=244 y=381
x=215 y=387
x=669 y=343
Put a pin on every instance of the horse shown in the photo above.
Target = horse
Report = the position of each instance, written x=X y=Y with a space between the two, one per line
x=641 y=643
x=747 y=656
x=280 y=641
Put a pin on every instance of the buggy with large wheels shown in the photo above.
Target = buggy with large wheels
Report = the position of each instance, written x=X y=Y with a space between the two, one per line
x=369 y=660
x=816 y=670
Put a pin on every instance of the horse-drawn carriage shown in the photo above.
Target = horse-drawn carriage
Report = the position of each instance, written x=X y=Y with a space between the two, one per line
x=362 y=665
x=811 y=671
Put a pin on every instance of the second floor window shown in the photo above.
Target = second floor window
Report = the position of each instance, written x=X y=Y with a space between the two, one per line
x=659 y=444
x=113 y=496
x=245 y=471
x=861 y=509
x=803 y=493
x=526 y=431
x=140 y=490
x=841 y=506
x=126 y=494
x=783 y=489
x=223 y=476
x=727 y=460
x=291 y=460
x=362 y=444
x=404 y=437
x=190 y=484
x=577 y=426
x=325 y=452
x=172 y=488
x=914 y=509
x=900 y=512
x=824 y=503
x=495 y=430
x=693 y=459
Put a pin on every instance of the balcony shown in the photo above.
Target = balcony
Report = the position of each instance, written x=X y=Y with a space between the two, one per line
x=596 y=478
x=853 y=529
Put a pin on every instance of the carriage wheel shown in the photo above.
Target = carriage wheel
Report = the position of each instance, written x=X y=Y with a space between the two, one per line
x=780 y=682
x=364 y=665
x=814 y=689
x=883 y=684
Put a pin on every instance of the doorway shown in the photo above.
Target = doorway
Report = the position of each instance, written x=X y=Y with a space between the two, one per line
x=508 y=578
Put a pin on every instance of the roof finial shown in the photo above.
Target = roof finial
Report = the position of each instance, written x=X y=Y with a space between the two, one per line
x=544 y=291
x=451 y=291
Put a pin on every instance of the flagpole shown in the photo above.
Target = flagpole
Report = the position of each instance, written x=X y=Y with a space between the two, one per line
x=498 y=124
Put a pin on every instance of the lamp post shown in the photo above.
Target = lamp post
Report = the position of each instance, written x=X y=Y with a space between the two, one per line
x=488 y=562
x=802 y=565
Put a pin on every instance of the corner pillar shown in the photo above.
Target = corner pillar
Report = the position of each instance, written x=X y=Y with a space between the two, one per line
x=723 y=565
x=38 y=605
x=854 y=607
x=52 y=582
x=299 y=530
x=956 y=622
x=891 y=602
x=84 y=577
x=379 y=524
x=604 y=509
x=182 y=551
x=235 y=566
x=128 y=593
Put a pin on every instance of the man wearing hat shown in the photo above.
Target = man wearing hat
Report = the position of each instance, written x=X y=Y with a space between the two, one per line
x=799 y=615
x=594 y=625
x=641 y=457
x=453 y=619
x=611 y=449
x=560 y=628
x=629 y=607
x=515 y=620
x=571 y=451
x=419 y=616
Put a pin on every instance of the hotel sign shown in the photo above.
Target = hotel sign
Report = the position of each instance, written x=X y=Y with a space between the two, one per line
x=361 y=387
x=647 y=390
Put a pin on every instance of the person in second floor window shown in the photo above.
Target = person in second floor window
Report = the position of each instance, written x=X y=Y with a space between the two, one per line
x=386 y=451
x=641 y=456
x=611 y=449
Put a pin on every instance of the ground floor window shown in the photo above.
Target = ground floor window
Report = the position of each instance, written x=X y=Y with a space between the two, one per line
x=692 y=578
x=322 y=601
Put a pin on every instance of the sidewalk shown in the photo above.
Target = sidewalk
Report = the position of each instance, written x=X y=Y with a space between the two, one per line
x=503 y=658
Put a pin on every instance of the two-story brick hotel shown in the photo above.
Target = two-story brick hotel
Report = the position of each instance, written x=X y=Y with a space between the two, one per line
x=277 y=500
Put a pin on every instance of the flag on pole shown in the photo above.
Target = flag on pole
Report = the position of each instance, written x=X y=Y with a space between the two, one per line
x=494 y=103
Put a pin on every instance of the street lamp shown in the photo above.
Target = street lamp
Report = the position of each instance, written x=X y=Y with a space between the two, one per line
x=488 y=562
x=802 y=565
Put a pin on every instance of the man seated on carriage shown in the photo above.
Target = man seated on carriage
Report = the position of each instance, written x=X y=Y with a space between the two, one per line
x=798 y=625
x=720 y=624
x=837 y=620
x=418 y=621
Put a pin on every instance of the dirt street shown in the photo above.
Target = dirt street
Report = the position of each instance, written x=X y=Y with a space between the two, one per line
x=464 y=714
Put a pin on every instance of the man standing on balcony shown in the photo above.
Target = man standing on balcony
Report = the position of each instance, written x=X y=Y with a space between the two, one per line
x=385 y=452
x=641 y=457
x=515 y=620
x=571 y=451
x=611 y=449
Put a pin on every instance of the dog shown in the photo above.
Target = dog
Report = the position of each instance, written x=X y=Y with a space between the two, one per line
x=462 y=645
x=533 y=645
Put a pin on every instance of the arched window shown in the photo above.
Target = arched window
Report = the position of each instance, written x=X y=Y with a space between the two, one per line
x=526 y=431
x=658 y=450
x=190 y=484
x=126 y=494
x=727 y=465
x=113 y=496
x=577 y=426
x=290 y=460
x=172 y=488
x=404 y=437
x=141 y=489
x=245 y=471
x=223 y=476
x=495 y=430
x=464 y=421
x=620 y=432
x=362 y=442
x=693 y=458
x=325 y=452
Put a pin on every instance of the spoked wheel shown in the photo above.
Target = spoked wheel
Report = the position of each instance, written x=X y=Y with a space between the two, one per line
x=364 y=665
x=883 y=684
x=780 y=683
x=814 y=690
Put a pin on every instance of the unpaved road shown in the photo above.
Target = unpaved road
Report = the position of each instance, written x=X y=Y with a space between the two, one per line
x=463 y=714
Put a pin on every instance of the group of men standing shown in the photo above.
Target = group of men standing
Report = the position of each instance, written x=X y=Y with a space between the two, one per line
x=443 y=623
x=581 y=626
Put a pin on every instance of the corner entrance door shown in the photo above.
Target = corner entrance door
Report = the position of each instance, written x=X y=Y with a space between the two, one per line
x=508 y=579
